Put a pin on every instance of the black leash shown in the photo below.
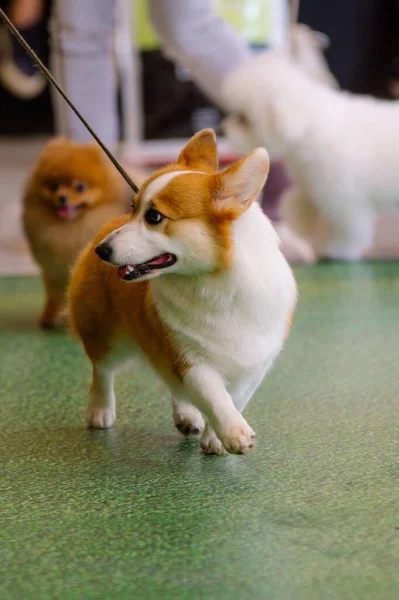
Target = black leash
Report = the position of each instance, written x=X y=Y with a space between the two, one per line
x=50 y=78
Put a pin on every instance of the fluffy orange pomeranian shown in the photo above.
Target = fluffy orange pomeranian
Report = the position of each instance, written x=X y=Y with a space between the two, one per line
x=73 y=191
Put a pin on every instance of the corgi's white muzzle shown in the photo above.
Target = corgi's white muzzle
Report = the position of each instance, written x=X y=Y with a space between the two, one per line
x=136 y=252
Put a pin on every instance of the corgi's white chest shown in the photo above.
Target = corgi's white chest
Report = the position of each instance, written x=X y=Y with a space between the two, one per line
x=236 y=321
x=237 y=337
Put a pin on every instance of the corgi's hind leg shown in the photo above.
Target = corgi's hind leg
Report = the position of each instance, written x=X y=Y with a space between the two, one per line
x=107 y=356
x=187 y=419
x=101 y=411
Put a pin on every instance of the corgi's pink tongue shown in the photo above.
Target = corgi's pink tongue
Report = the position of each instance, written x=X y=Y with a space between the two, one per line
x=123 y=271
x=67 y=212
x=129 y=272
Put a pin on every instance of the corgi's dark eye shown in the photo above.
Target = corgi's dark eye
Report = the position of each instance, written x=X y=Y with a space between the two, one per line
x=153 y=217
x=80 y=187
x=53 y=186
x=133 y=205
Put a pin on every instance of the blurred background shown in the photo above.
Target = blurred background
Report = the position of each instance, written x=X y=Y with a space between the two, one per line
x=363 y=55
x=135 y=512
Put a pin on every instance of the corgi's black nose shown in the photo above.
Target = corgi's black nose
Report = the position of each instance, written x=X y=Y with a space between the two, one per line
x=104 y=251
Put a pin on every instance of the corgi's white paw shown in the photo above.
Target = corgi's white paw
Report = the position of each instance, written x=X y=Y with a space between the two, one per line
x=188 y=420
x=210 y=444
x=239 y=438
x=100 y=418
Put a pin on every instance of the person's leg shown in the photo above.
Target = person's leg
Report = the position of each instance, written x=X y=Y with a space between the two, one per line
x=82 y=60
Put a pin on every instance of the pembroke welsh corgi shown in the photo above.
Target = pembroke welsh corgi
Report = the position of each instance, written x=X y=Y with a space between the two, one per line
x=72 y=192
x=193 y=279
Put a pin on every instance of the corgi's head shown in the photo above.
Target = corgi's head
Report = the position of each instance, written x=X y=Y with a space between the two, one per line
x=70 y=178
x=183 y=215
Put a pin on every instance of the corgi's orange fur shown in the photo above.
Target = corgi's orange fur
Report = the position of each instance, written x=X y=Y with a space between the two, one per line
x=212 y=299
x=72 y=192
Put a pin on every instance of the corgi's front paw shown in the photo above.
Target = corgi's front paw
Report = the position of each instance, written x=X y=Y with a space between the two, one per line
x=188 y=420
x=100 y=418
x=210 y=444
x=238 y=438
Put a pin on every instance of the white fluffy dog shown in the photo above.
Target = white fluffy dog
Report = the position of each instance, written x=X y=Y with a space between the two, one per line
x=341 y=150
x=307 y=49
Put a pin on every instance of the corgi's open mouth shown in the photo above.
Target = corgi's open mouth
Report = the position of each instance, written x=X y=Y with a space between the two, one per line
x=69 y=212
x=129 y=272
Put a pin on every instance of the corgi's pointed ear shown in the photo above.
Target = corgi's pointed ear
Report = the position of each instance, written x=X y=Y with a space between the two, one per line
x=238 y=185
x=200 y=151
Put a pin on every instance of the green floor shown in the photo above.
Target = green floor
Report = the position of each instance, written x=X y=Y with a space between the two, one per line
x=135 y=513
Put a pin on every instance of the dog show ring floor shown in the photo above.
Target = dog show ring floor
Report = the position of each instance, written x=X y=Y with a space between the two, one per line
x=137 y=512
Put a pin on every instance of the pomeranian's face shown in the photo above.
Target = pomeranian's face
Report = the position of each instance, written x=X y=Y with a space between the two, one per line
x=70 y=178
